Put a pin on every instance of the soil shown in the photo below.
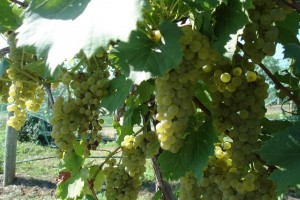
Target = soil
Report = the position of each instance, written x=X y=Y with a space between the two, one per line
x=25 y=187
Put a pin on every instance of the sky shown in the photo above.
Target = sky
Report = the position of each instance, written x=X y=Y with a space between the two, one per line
x=2 y=42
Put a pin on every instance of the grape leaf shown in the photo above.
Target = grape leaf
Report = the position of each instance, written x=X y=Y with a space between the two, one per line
x=40 y=68
x=144 y=91
x=58 y=9
x=76 y=184
x=229 y=19
x=142 y=58
x=293 y=51
x=132 y=115
x=8 y=20
x=4 y=65
x=202 y=95
x=157 y=195
x=61 y=39
x=288 y=29
x=97 y=182
x=206 y=4
x=72 y=187
x=283 y=151
x=71 y=162
x=79 y=148
x=272 y=126
x=287 y=78
x=193 y=155
x=118 y=90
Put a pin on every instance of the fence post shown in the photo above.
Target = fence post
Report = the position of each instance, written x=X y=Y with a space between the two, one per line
x=10 y=153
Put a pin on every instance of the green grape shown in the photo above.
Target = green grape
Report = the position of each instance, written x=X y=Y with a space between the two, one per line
x=251 y=76
x=24 y=93
x=237 y=71
x=225 y=77
x=188 y=187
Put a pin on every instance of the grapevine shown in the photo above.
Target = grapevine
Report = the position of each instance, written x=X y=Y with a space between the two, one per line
x=187 y=73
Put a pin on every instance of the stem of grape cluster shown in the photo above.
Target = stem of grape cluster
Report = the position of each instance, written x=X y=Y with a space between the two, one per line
x=277 y=83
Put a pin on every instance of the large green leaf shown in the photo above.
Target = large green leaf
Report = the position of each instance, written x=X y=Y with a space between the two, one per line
x=283 y=151
x=77 y=184
x=71 y=162
x=288 y=29
x=202 y=95
x=142 y=58
x=145 y=90
x=272 y=126
x=93 y=27
x=193 y=156
x=118 y=90
x=206 y=4
x=293 y=51
x=287 y=78
x=230 y=18
x=72 y=187
x=8 y=20
x=58 y=9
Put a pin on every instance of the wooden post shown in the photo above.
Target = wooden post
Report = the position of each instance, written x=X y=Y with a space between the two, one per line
x=10 y=153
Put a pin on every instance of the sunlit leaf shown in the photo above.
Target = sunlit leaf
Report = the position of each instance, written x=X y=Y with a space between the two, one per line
x=63 y=31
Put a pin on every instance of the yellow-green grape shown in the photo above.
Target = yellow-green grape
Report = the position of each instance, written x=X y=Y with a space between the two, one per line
x=237 y=71
x=251 y=76
x=156 y=36
x=66 y=78
x=225 y=77
x=219 y=152
x=227 y=145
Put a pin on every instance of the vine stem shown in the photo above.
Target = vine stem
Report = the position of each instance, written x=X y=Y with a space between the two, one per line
x=163 y=185
x=49 y=93
x=293 y=5
x=202 y=107
x=278 y=85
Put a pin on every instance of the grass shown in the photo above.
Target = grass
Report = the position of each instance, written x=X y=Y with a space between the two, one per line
x=47 y=169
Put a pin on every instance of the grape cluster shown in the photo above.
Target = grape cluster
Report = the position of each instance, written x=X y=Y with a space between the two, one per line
x=24 y=91
x=189 y=189
x=260 y=35
x=79 y=114
x=135 y=151
x=65 y=121
x=123 y=181
x=175 y=90
x=237 y=107
x=90 y=88
x=119 y=184
x=223 y=181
